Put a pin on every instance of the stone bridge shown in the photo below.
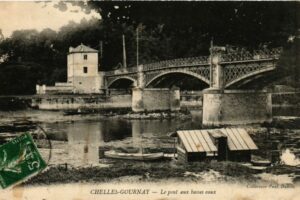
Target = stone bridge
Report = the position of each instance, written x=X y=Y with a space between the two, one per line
x=236 y=67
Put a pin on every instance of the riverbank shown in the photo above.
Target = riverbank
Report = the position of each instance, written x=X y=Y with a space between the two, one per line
x=76 y=139
x=147 y=172
x=26 y=120
x=201 y=172
x=153 y=115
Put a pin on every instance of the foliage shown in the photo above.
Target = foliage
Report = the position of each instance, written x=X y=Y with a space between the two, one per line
x=167 y=30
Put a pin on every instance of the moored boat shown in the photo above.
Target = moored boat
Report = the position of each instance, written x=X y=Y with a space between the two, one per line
x=134 y=156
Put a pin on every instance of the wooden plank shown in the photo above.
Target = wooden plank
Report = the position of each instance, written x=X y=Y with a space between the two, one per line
x=184 y=140
x=199 y=145
x=240 y=138
x=188 y=143
x=234 y=140
x=202 y=142
x=209 y=141
x=207 y=137
x=247 y=138
x=231 y=146
x=191 y=141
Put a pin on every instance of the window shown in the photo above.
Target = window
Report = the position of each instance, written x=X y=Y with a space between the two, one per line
x=85 y=57
x=85 y=70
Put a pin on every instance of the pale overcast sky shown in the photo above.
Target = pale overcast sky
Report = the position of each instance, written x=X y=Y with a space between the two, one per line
x=32 y=15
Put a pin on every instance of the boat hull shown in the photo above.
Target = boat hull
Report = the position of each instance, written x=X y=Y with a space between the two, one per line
x=134 y=156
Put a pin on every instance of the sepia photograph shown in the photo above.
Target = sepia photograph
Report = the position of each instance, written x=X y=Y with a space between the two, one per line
x=150 y=100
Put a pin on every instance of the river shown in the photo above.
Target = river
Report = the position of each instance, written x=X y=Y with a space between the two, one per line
x=76 y=139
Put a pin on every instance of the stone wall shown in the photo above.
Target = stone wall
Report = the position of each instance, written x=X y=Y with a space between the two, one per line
x=59 y=88
x=73 y=102
x=155 y=99
x=232 y=107
x=191 y=99
x=76 y=62
x=85 y=85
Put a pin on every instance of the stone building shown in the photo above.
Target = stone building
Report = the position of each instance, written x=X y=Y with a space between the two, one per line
x=83 y=74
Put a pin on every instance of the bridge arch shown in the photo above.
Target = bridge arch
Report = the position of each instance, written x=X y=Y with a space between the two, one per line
x=183 y=72
x=125 y=79
x=247 y=77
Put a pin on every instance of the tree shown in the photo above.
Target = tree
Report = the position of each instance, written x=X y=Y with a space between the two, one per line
x=170 y=30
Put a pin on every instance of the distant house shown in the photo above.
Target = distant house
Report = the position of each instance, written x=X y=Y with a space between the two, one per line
x=232 y=144
x=83 y=74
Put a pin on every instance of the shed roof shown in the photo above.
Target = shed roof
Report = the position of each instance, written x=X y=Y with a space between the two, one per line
x=82 y=49
x=239 y=139
x=197 y=141
x=202 y=140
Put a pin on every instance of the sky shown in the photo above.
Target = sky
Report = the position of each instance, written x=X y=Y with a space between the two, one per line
x=33 y=15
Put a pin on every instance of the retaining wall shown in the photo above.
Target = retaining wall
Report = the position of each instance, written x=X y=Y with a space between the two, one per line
x=75 y=102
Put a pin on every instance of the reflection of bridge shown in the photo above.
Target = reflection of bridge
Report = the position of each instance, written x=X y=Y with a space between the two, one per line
x=236 y=67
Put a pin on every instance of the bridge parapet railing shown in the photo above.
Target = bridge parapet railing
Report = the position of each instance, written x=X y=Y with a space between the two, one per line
x=255 y=55
x=176 y=63
x=204 y=60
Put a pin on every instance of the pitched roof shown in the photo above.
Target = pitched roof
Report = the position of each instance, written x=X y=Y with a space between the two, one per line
x=238 y=139
x=82 y=48
x=197 y=141
x=202 y=140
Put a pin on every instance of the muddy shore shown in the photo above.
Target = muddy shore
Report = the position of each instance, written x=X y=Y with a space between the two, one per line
x=215 y=172
x=282 y=133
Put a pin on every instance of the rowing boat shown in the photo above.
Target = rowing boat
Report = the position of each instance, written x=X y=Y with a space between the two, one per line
x=134 y=156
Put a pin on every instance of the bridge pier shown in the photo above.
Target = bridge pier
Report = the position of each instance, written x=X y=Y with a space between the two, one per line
x=155 y=99
x=233 y=107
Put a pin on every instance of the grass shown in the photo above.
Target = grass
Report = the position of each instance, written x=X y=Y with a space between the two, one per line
x=153 y=171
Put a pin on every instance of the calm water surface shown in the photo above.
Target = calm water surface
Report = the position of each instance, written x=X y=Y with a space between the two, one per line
x=81 y=136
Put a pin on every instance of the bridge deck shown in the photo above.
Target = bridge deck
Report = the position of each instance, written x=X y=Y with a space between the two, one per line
x=237 y=66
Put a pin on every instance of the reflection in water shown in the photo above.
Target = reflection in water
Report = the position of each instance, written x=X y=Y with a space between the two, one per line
x=83 y=143
x=85 y=137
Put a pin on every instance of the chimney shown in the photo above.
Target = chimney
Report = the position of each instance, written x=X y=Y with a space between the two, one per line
x=220 y=141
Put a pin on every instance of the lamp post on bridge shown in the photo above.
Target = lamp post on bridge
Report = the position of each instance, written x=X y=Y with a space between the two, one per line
x=137 y=46
x=124 y=53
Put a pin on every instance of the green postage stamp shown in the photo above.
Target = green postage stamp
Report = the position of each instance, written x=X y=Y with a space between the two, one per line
x=19 y=159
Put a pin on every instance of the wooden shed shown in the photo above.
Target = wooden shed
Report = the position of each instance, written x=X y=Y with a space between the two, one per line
x=233 y=144
x=195 y=145
x=240 y=144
